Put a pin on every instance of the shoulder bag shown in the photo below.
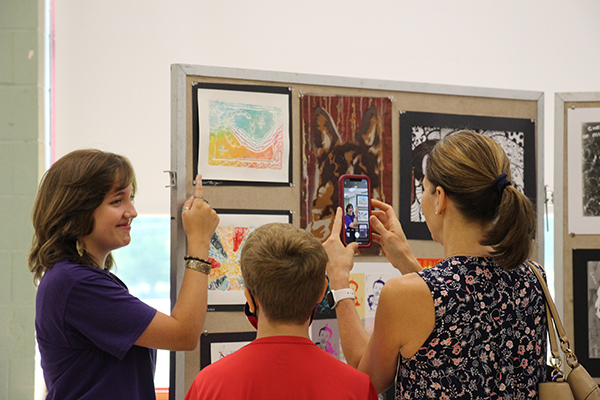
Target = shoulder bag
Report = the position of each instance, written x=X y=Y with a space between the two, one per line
x=578 y=385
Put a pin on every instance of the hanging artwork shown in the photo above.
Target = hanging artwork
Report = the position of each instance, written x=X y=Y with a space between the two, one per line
x=586 y=308
x=420 y=131
x=214 y=346
x=343 y=135
x=583 y=147
x=242 y=134
x=325 y=334
x=225 y=282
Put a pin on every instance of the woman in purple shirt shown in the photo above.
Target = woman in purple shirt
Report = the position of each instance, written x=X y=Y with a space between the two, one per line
x=96 y=340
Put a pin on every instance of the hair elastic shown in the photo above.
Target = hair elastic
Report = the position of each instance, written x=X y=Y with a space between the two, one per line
x=500 y=183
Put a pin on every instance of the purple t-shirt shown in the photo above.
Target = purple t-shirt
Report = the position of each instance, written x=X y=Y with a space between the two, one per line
x=86 y=325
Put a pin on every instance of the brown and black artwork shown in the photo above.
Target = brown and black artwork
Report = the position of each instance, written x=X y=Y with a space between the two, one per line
x=343 y=135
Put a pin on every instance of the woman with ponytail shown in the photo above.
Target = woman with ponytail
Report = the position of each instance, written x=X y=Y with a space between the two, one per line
x=474 y=325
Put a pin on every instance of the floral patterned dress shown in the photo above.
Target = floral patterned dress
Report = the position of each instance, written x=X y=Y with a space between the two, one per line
x=489 y=339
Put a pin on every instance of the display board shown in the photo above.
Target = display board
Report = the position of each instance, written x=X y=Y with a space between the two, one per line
x=277 y=142
x=577 y=223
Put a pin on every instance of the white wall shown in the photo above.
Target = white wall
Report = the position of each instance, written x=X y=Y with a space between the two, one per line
x=113 y=57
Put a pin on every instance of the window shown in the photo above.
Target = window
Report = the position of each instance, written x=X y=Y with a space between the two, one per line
x=144 y=266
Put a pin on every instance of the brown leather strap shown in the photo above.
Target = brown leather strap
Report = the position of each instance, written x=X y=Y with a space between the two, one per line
x=554 y=323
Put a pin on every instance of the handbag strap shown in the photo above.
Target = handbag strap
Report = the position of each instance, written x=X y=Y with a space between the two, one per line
x=554 y=323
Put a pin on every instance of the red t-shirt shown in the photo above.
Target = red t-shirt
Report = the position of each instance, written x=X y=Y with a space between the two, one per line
x=281 y=367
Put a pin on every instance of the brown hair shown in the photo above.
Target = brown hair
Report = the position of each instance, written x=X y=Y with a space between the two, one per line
x=68 y=195
x=466 y=165
x=284 y=269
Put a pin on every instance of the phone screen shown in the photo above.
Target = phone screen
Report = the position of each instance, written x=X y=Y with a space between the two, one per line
x=357 y=209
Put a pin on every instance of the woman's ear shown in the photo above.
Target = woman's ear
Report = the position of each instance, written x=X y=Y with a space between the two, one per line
x=250 y=301
x=441 y=197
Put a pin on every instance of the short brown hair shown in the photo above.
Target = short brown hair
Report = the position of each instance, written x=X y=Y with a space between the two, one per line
x=284 y=269
x=68 y=194
x=466 y=164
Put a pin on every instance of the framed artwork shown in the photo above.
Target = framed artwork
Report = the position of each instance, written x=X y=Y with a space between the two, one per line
x=214 y=346
x=325 y=333
x=343 y=134
x=225 y=282
x=242 y=134
x=420 y=131
x=362 y=201
x=583 y=155
x=362 y=215
x=586 y=308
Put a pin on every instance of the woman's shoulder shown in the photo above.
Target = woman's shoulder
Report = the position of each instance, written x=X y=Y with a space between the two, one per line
x=68 y=273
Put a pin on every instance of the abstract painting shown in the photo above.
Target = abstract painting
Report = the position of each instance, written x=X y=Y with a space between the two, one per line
x=243 y=134
x=343 y=135
x=225 y=282
x=420 y=131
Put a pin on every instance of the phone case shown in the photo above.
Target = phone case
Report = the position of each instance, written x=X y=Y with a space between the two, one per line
x=362 y=213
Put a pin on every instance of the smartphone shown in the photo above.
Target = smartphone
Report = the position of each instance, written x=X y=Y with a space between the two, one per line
x=355 y=200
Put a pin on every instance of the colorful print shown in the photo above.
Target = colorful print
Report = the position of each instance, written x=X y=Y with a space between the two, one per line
x=245 y=135
x=224 y=254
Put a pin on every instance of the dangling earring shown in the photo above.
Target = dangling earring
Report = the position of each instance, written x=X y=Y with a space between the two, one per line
x=80 y=248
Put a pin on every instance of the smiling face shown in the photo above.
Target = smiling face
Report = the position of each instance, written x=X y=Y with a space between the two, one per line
x=112 y=224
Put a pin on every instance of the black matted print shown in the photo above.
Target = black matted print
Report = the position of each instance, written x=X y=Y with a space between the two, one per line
x=586 y=308
x=420 y=131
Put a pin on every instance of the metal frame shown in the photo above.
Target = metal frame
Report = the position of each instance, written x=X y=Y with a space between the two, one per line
x=179 y=72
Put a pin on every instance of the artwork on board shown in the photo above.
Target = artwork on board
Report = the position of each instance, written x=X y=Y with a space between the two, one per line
x=357 y=283
x=225 y=282
x=343 y=135
x=242 y=134
x=373 y=285
x=420 y=131
x=326 y=335
x=586 y=308
x=214 y=346
x=583 y=164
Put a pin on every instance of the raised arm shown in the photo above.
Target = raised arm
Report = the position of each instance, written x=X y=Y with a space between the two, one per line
x=389 y=234
x=181 y=330
x=403 y=320
x=353 y=335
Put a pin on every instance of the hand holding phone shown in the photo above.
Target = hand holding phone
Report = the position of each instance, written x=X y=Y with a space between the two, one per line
x=355 y=200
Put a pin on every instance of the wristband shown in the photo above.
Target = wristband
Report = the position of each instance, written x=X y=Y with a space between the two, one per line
x=335 y=296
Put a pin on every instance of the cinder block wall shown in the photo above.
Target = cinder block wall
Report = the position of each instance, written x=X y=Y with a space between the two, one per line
x=20 y=147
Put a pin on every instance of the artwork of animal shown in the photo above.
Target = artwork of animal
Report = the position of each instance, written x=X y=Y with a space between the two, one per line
x=342 y=135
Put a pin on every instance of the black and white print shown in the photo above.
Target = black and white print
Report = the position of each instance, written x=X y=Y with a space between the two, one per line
x=420 y=131
x=590 y=163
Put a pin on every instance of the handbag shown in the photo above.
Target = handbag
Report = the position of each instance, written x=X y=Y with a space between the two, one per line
x=578 y=385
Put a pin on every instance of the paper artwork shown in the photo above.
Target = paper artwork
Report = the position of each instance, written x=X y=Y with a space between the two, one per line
x=342 y=135
x=583 y=184
x=225 y=282
x=243 y=135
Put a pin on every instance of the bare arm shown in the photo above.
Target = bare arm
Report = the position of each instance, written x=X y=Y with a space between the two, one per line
x=353 y=334
x=404 y=319
x=389 y=234
x=181 y=330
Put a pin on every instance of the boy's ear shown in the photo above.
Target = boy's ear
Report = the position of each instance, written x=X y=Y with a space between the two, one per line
x=250 y=300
